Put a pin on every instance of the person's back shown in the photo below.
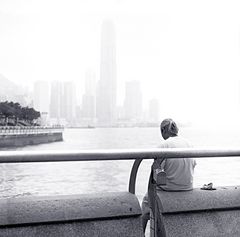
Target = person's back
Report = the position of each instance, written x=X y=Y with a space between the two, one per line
x=179 y=172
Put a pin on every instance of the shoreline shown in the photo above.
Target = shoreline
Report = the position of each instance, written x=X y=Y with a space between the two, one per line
x=23 y=136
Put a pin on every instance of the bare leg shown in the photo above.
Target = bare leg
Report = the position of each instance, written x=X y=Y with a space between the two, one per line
x=145 y=218
x=145 y=213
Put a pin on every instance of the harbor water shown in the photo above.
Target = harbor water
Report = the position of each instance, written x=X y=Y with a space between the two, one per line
x=19 y=180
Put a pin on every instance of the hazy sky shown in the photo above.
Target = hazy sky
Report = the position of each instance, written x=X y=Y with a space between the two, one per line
x=186 y=53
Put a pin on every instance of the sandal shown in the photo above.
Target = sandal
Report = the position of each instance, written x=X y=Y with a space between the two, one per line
x=208 y=187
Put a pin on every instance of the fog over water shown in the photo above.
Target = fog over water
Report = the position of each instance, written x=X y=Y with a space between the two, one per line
x=17 y=180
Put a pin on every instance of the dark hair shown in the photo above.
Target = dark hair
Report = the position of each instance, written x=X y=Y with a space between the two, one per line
x=170 y=126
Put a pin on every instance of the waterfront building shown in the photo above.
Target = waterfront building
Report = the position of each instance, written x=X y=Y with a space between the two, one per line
x=55 y=100
x=69 y=102
x=41 y=98
x=133 y=101
x=107 y=85
x=153 y=110
x=78 y=113
x=89 y=97
x=44 y=119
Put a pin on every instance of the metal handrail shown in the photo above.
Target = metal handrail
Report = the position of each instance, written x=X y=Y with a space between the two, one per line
x=120 y=154
x=123 y=154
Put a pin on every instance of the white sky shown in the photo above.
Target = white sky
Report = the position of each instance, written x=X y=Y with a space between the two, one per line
x=186 y=53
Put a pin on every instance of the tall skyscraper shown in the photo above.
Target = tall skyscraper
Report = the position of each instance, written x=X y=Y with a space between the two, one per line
x=89 y=97
x=56 y=99
x=133 y=101
x=107 y=85
x=41 y=98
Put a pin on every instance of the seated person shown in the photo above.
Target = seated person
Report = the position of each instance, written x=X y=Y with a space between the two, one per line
x=179 y=172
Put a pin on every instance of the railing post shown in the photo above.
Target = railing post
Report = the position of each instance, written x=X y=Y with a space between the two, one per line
x=133 y=176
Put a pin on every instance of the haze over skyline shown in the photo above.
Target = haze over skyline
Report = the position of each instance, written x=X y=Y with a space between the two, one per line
x=185 y=53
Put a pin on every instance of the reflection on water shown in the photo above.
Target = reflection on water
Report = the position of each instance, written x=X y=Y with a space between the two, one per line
x=18 y=180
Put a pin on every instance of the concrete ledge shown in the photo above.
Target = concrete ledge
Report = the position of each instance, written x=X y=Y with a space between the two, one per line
x=68 y=208
x=200 y=213
x=108 y=214
x=127 y=227
x=203 y=224
x=200 y=200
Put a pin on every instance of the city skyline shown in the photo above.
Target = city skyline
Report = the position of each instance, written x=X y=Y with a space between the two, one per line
x=190 y=63
x=59 y=104
x=99 y=98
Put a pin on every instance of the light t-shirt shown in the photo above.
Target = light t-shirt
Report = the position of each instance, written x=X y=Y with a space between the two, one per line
x=179 y=172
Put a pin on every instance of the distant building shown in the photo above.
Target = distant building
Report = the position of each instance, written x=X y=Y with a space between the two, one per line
x=153 y=110
x=56 y=100
x=107 y=85
x=44 y=119
x=89 y=97
x=69 y=102
x=133 y=101
x=78 y=113
x=41 y=98
x=88 y=106
x=120 y=113
x=9 y=91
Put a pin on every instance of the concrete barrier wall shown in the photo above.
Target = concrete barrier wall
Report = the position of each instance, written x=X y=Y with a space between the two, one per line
x=19 y=140
x=109 y=214
x=200 y=213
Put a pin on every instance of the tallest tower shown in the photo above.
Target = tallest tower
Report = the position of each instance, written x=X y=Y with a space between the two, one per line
x=107 y=85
